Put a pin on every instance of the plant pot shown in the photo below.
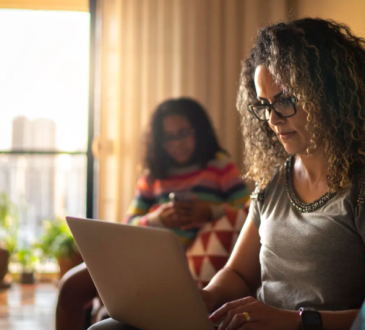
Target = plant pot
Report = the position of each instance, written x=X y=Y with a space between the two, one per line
x=68 y=263
x=4 y=262
x=27 y=278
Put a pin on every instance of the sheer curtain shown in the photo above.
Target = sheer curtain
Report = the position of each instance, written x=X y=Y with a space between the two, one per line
x=150 y=50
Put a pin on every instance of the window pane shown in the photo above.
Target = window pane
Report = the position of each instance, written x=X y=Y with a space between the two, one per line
x=43 y=187
x=44 y=66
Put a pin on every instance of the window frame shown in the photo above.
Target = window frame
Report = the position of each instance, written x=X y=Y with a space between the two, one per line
x=89 y=198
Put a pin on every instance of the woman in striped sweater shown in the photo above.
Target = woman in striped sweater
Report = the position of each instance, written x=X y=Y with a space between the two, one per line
x=184 y=158
x=182 y=155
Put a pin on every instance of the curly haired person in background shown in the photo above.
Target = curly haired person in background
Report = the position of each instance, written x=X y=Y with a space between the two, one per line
x=182 y=155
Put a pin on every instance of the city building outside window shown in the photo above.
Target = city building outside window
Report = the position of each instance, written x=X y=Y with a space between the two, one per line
x=44 y=69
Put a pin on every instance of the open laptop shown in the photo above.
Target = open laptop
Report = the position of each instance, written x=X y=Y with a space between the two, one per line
x=141 y=275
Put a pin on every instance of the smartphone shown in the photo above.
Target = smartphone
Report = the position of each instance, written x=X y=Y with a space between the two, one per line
x=182 y=196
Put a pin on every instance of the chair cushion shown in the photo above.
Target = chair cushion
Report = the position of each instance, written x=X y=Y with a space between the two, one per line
x=213 y=245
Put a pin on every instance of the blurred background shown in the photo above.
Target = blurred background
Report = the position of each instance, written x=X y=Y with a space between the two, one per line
x=79 y=79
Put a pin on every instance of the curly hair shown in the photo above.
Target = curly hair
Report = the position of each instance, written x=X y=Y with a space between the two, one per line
x=156 y=160
x=322 y=64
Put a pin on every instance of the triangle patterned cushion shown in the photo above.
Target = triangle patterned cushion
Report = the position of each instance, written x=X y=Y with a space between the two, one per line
x=213 y=246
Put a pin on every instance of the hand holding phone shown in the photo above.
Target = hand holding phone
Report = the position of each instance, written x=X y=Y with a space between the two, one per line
x=189 y=211
x=182 y=196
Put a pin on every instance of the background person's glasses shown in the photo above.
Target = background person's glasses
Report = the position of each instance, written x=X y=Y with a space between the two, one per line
x=284 y=108
x=182 y=135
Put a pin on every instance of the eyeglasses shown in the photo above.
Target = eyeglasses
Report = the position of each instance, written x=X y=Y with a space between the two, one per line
x=284 y=108
x=185 y=133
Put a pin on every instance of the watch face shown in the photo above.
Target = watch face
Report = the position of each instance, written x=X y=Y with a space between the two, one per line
x=311 y=320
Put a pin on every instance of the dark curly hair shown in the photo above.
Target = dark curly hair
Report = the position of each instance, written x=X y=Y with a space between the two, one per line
x=156 y=160
x=322 y=64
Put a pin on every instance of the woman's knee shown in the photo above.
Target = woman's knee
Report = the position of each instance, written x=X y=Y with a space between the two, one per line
x=76 y=286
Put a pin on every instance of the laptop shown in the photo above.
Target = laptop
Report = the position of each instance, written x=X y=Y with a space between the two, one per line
x=141 y=275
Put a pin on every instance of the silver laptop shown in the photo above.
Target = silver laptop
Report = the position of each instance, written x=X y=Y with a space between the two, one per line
x=141 y=275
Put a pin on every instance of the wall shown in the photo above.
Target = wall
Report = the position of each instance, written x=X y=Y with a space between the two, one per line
x=350 y=12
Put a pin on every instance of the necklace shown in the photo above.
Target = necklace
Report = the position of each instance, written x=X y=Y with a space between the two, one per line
x=294 y=200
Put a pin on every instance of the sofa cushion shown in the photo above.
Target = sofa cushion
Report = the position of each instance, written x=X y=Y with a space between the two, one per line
x=213 y=245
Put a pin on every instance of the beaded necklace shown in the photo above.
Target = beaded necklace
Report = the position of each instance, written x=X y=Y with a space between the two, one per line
x=294 y=200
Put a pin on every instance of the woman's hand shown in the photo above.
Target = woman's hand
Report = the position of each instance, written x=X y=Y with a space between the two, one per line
x=251 y=314
x=199 y=213
x=172 y=216
x=184 y=215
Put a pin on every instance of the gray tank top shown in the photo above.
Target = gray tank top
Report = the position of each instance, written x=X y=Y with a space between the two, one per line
x=311 y=255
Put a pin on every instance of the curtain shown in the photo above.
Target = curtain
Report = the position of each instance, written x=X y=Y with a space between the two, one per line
x=150 y=50
x=70 y=5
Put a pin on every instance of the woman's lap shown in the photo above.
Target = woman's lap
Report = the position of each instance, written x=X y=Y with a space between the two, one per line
x=111 y=324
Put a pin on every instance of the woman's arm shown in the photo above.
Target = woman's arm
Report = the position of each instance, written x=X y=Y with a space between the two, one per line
x=234 y=190
x=143 y=200
x=241 y=276
x=233 y=288
x=145 y=210
x=338 y=320
x=255 y=315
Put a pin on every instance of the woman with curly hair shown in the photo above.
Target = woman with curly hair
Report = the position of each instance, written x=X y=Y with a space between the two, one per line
x=299 y=262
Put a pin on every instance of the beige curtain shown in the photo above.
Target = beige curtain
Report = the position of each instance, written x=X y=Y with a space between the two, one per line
x=70 y=5
x=150 y=50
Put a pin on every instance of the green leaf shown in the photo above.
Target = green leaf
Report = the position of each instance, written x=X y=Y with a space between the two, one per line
x=27 y=259
x=9 y=223
x=57 y=240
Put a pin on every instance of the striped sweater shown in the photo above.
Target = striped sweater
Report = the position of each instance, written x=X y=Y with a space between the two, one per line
x=219 y=184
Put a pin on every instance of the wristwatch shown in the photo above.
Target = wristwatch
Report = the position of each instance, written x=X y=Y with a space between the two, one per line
x=311 y=319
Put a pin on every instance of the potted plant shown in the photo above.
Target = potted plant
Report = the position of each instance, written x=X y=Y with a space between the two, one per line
x=8 y=234
x=27 y=260
x=58 y=242
x=4 y=262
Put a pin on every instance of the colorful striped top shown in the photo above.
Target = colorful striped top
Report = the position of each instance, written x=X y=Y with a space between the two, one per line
x=219 y=184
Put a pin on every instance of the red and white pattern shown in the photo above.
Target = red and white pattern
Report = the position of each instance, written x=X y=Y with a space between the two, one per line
x=213 y=246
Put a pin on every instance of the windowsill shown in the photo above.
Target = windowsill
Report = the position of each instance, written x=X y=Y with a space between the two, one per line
x=40 y=277
x=44 y=272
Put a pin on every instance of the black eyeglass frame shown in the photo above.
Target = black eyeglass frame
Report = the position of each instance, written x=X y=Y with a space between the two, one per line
x=180 y=136
x=271 y=106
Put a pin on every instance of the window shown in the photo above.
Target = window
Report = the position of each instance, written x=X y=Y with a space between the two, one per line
x=44 y=65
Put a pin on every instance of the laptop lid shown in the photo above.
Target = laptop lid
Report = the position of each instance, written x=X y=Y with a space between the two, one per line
x=141 y=275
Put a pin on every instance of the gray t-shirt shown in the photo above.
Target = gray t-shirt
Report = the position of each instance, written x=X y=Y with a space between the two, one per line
x=314 y=259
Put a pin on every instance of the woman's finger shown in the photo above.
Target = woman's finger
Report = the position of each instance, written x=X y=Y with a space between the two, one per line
x=237 y=317
x=183 y=221
x=221 y=313
x=184 y=205
x=250 y=326
x=183 y=211
x=169 y=212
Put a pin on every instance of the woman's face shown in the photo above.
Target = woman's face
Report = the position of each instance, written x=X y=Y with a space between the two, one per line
x=290 y=131
x=179 y=138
